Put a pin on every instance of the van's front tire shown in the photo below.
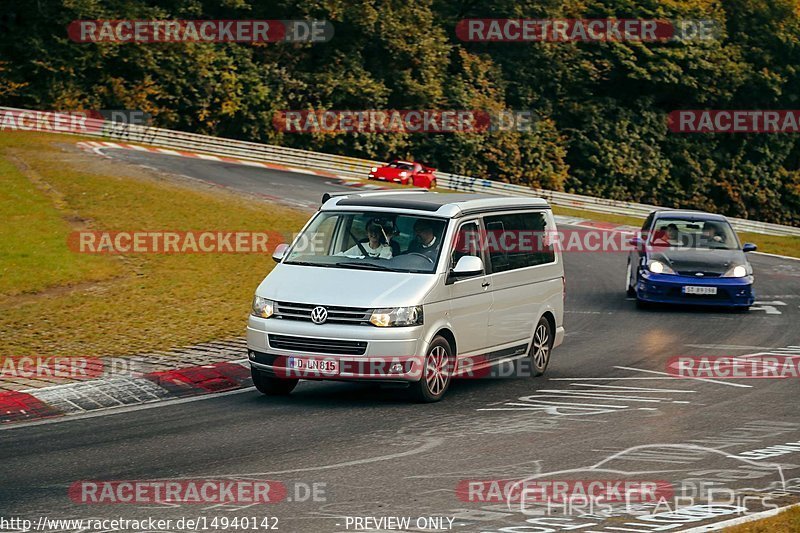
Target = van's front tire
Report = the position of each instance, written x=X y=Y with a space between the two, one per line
x=541 y=347
x=272 y=386
x=437 y=372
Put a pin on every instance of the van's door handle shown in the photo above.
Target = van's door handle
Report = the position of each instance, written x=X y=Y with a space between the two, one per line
x=485 y=284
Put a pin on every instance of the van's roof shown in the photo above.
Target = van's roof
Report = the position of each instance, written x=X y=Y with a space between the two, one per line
x=450 y=205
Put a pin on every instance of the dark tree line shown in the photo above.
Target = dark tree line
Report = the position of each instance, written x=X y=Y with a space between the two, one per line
x=601 y=107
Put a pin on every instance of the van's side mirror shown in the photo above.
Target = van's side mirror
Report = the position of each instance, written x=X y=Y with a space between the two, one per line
x=749 y=247
x=469 y=265
x=279 y=252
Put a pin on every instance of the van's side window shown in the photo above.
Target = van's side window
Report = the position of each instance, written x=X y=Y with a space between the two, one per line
x=468 y=242
x=518 y=240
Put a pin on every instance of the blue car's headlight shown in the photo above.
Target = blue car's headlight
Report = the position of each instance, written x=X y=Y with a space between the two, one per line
x=739 y=271
x=657 y=267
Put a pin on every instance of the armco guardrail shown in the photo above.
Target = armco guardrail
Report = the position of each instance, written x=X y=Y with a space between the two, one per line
x=353 y=167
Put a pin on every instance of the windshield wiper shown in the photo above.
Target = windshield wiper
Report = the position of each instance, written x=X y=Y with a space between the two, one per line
x=302 y=263
x=366 y=266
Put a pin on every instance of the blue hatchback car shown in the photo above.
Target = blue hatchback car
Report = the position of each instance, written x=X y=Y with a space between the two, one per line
x=690 y=257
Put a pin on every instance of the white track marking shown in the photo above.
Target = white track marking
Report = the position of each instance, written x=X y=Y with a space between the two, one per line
x=427 y=446
x=736 y=521
x=768 y=307
x=607 y=379
x=726 y=347
x=636 y=389
x=593 y=394
x=776 y=255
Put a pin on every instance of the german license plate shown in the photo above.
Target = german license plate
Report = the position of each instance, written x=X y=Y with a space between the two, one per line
x=323 y=366
x=692 y=289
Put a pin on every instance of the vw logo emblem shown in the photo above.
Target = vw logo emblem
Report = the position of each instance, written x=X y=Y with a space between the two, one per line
x=319 y=315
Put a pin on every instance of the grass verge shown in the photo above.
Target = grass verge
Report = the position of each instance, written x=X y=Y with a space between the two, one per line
x=57 y=302
x=785 y=522
x=32 y=236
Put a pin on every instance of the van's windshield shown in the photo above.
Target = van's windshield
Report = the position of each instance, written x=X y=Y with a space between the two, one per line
x=370 y=240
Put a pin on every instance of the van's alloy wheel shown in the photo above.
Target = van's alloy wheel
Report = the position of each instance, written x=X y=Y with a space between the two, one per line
x=541 y=346
x=437 y=371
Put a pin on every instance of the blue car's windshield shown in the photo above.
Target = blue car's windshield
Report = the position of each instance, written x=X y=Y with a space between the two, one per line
x=686 y=233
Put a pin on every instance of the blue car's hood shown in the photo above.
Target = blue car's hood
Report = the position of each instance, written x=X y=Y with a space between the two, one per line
x=690 y=261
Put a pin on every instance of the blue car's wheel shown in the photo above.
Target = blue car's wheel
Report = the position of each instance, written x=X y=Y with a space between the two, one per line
x=631 y=289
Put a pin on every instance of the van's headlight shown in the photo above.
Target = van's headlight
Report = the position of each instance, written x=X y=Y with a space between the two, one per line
x=262 y=307
x=657 y=267
x=739 y=271
x=397 y=316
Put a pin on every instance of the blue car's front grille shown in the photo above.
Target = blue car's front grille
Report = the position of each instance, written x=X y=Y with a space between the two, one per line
x=699 y=274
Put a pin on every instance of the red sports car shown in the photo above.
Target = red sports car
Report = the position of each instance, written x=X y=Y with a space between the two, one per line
x=405 y=172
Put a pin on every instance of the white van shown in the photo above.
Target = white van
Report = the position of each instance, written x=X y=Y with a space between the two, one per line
x=411 y=288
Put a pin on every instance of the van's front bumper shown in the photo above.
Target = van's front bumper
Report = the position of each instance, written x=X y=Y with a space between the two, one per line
x=389 y=354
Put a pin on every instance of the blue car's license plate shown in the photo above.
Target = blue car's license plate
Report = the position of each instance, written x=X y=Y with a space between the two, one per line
x=693 y=289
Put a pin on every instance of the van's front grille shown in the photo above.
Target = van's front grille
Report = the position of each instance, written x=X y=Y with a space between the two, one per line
x=336 y=315
x=314 y=345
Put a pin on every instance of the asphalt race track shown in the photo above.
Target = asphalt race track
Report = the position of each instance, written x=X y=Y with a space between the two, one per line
x=606 y=409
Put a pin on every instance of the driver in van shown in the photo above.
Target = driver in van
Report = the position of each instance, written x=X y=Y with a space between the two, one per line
x=425 y=242
x=376 y=245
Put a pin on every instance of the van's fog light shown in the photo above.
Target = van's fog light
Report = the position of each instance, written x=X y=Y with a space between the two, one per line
x=396 y=368
x=252 y=355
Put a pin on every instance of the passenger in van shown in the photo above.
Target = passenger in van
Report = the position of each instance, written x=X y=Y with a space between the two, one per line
x=425 y=242
x=376 y=245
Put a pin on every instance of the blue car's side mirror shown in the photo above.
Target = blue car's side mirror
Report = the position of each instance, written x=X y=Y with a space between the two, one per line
x=749 y=247
x=636 y=243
